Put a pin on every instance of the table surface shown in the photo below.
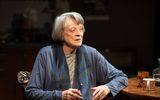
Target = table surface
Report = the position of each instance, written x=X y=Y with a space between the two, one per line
x=133 y=89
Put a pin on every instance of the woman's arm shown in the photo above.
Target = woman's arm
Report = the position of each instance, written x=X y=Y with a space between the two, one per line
x=35 y=89
x=107 y=74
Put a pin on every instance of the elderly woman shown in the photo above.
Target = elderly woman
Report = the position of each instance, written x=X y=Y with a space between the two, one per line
x=70 y=70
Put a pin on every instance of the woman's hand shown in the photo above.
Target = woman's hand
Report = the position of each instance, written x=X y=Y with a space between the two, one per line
x=100 y=92
x=71 y=94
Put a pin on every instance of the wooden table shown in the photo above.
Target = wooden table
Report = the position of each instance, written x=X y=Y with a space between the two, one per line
x=133 y=92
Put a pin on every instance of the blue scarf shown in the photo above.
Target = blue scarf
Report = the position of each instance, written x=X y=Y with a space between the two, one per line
x=81 y=80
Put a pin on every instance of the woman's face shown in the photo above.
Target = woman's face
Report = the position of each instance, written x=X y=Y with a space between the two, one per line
x=72 y=33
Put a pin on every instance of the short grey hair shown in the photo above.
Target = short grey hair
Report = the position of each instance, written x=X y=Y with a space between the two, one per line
x=58 y=26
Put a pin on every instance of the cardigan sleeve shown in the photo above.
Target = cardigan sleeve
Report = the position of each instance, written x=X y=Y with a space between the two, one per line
x=107 y=74
x=35 y=89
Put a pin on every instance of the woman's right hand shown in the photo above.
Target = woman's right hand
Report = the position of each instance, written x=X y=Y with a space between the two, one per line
x=71 y=94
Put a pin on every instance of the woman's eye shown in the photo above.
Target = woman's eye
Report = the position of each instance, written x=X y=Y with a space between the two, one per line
x=81 y=29
x=72 y=30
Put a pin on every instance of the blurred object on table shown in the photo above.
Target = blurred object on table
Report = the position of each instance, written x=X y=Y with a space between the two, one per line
x=156 y=73
x=140 y=76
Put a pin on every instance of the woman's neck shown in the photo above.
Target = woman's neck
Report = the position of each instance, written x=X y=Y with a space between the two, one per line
x=69 y=50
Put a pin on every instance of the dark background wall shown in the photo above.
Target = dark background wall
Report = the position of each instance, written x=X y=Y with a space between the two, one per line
x=157 y=25
x=131 y=24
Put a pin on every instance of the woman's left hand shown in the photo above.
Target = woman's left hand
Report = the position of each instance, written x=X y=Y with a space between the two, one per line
x=100 y=92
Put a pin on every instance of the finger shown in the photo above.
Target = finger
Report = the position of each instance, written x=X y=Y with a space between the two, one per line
x=99 y=95
x=69 y=97
x=64 y=94
x=74 y=93
x=95 y=93
x=94 y=88
x=78 y=92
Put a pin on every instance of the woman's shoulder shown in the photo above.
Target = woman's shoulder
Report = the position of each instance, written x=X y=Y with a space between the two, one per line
x=45 y=49
x=87 y=47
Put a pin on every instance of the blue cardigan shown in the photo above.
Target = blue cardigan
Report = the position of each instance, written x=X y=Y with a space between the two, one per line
x=50 y=75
